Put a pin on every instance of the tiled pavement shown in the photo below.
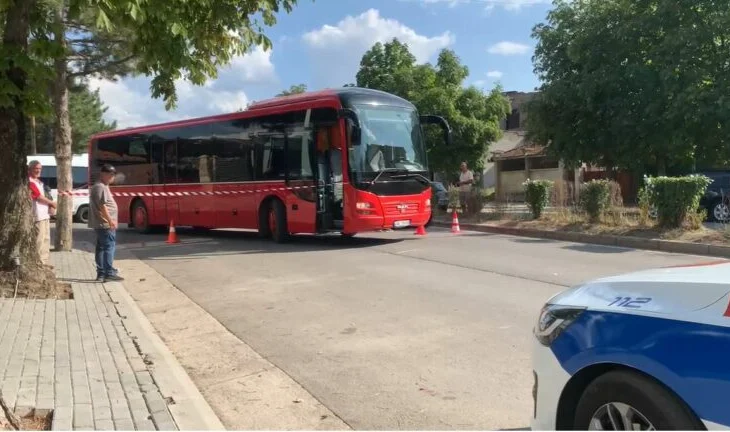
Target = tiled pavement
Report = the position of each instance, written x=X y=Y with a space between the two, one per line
x=74 y=358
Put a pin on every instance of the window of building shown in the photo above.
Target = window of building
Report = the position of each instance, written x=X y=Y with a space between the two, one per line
x=512 y=165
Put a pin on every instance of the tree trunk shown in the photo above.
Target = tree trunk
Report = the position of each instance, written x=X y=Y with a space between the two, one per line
x=33 y=146
x=17 y=235
x=62 y=138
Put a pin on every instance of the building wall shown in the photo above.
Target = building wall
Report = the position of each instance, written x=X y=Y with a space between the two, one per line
x=552 y=174
x=512 y=183
x=509 y=140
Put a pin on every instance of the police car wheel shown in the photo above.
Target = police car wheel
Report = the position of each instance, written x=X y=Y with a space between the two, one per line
x=82 y=215
x=625 y=400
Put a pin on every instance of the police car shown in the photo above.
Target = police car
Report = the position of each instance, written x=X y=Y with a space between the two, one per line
x=648 y=350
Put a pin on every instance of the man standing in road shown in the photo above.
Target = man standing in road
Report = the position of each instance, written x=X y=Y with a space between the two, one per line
x=103 y=217
x=42 y=207
x=466 y=178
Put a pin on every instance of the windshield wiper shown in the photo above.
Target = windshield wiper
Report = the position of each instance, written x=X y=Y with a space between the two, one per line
x=414 y=175
x=383 y=171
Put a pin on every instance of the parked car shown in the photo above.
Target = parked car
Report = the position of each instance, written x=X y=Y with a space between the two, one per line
x=717 y=196
x=641 y=351
x=441 y=194
x=441 y=198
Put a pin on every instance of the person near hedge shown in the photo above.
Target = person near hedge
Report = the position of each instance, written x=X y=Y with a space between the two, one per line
x=466 y=179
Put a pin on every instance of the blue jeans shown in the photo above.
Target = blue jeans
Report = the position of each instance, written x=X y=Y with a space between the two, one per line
x=106 y=241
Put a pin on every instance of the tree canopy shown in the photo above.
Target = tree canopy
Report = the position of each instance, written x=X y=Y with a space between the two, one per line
x=168 y=40
x=634 y=84
x=86 y=112
x=438 y=89
x=46 y=44
x=294 y=89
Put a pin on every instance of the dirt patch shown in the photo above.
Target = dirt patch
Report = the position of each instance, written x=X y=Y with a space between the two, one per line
x=27 y=423
x=41 y=284
x=11 y=422
x=36 y=423
x=621 y=227
x=701 y=235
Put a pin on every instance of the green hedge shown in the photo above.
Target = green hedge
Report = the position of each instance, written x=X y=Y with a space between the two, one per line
x=595 y=198
x=675 y=198
x=537 y=194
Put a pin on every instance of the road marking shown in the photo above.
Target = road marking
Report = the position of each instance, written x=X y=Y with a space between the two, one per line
x=402 y=252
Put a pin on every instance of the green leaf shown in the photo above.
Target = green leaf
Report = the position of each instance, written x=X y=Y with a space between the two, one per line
x=102 y=21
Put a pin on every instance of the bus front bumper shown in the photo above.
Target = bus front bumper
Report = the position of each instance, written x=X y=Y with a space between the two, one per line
x=380 y=223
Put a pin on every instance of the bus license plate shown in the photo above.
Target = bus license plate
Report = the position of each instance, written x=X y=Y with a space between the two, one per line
x=401 y=223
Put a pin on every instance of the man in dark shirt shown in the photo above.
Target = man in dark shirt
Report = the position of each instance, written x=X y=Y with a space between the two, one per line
x=103 y=218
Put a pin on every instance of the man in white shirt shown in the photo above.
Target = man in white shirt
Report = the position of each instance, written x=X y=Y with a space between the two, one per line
x=41 y=211
x=466 y=179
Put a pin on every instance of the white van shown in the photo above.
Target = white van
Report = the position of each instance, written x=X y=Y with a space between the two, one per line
x=80 y=179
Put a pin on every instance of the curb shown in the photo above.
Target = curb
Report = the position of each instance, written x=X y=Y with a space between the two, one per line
x=671 y=246
x=189 y=410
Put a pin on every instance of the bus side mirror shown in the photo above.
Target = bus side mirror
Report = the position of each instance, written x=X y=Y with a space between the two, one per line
x=353 y=124
x=434 y=119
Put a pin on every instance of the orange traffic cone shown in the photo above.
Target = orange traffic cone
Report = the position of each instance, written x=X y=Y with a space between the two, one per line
x=455 y=223
x=172 y=235
x=420 y=230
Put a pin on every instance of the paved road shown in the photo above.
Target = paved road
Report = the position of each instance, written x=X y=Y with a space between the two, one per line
x=391 y=331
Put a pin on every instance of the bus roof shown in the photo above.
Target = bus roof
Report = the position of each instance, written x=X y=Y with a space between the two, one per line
x=359 y=94
x=344 y=94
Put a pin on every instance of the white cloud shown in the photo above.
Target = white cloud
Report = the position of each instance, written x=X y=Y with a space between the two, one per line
x=254 y=67
x=130 y=104
x=511 y=5
x=344 y=44
x=509 y=48
x=495 y=74
x=480 y=83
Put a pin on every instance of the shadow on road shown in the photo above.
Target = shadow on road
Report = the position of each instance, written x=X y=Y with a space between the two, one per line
x=597 y=249
x=530 y=241
x=195 y=244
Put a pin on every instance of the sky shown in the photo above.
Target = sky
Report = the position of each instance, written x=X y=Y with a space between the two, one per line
x=320 y=44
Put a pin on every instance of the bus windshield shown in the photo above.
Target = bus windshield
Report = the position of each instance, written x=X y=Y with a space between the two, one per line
x=390 y=139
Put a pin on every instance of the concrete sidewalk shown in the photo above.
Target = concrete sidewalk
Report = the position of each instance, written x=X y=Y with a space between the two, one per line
x=81 y=360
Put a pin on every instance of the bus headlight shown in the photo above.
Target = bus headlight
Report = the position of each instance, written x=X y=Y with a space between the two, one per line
x=553 y=320
x=428 y=202
x=365 y=208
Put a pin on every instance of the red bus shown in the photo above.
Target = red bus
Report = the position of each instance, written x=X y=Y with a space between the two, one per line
x=345 y=160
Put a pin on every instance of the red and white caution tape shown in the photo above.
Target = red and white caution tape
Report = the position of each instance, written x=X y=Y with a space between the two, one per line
x=85 y=192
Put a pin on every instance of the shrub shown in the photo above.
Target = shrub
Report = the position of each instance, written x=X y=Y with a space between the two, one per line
x=537 y=195
x=453 y=194
x=595 y=198
x=676 y=197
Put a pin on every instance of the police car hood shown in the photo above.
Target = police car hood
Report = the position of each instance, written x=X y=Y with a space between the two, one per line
x=664 y=290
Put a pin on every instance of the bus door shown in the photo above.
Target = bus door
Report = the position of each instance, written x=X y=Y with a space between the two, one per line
x=324 y=179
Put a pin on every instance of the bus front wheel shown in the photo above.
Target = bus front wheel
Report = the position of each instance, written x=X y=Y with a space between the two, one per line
x=277 y=222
